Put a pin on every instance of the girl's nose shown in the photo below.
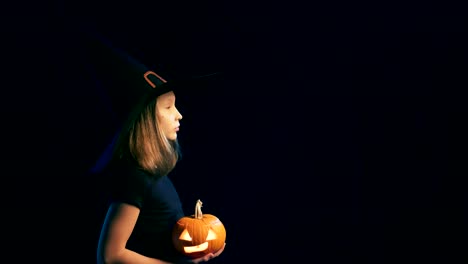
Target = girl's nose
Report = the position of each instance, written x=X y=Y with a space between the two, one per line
x=179 y=115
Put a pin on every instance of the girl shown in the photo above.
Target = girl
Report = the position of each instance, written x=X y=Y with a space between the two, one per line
x=144 y=204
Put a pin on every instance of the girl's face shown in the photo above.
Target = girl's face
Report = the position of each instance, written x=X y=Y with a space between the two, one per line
x=167 y=114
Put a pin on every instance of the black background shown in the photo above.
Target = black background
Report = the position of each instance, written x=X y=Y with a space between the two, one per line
x=336 y=135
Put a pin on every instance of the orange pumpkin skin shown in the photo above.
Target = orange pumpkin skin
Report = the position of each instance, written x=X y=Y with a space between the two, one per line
x=205 y=234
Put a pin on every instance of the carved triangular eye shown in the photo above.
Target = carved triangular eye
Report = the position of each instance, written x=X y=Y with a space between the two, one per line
x=211 y=235
x=186 y=236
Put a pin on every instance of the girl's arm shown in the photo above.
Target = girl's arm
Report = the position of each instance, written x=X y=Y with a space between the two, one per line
x=117 y=228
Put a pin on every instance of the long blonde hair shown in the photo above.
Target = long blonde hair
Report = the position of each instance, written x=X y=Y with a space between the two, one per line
x=143 y=141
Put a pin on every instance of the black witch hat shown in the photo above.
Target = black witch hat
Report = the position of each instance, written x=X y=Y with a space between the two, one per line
x=126 y=81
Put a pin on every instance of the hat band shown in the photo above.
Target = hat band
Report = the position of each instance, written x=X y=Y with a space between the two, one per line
x=149 y=81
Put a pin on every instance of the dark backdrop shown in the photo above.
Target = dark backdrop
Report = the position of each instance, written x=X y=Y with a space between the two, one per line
x=335 y=136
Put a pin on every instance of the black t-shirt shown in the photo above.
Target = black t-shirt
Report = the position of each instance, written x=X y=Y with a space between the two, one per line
x=160 y=208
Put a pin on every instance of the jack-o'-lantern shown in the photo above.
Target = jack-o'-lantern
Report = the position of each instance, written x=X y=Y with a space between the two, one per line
x=199 y=234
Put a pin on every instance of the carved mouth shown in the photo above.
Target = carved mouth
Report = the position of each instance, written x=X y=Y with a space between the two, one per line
x=196 y=248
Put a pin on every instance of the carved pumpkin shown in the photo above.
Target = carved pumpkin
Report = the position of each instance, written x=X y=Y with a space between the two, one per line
x=199 y=234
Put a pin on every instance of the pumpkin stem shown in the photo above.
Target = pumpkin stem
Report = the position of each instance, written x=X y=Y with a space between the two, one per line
x=198 y=212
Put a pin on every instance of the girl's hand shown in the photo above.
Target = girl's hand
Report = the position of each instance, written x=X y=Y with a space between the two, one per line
x=209 y=256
